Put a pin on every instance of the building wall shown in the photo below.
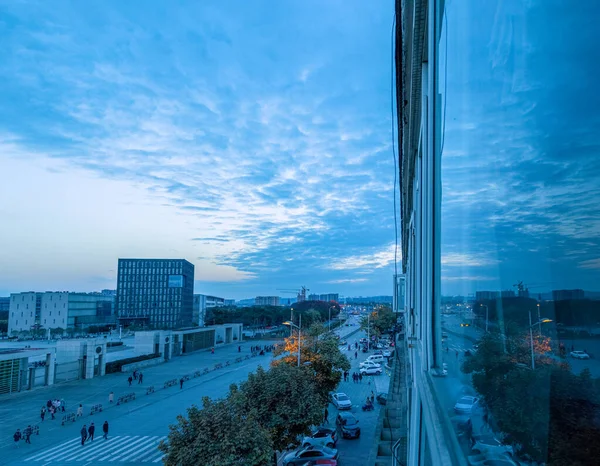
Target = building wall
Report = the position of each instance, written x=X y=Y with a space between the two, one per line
x=22 y=311
x=156 y=292
x=54 y=311
x=266 y=301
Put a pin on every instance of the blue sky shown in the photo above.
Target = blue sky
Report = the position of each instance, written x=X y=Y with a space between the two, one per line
x=521 y=159
x=251 y=138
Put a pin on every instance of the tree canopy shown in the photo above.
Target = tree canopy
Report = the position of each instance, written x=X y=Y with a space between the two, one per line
x=379 y=321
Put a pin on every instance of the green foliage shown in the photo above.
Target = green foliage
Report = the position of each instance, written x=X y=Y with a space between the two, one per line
x=549 y=413
x=222 y=433
x=380 y=321
x=286 y=401
x=57 y=332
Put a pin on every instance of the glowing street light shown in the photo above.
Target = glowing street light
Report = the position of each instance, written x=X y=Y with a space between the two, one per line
x=299 y=327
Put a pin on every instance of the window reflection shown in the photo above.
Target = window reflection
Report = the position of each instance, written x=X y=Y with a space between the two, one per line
x=520 y=245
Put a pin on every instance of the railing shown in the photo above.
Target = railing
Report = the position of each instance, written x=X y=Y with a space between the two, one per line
x=150 y=389
x=170 y=383
x=68 y=417
x=126 y=398
x=96 y=409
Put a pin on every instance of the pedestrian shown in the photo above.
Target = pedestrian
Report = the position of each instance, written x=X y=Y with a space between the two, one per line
x=52 y=410
x=17 y=437
x=181 y=383
x=48 y=404
x=356 y=355
x=111 y=397
x=360 y=378
x=212 y=350
x=239 y=349
x=27 y=434
x=135 y=374
x=84 y=434
x=91 y=431
x=372 y=396
x=457 y=355
x=105 y=430
x=80 y=411
x=140 y=378
x=130 y=379
x=43 y=413
x=326 y=417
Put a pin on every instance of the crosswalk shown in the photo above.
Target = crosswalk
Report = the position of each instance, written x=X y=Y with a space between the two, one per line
x=118 y=449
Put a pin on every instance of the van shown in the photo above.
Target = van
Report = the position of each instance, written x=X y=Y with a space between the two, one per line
x=377 y=358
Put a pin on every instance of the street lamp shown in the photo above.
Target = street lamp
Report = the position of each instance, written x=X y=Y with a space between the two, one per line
x=487 y=316
x=540 y=322
x=299 y=327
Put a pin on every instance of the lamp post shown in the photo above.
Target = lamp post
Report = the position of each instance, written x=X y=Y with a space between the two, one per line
x=540 y=322
x=299 y=327
x=487 y=316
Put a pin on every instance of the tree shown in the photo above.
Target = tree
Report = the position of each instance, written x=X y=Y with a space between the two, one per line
x=222 y=433
x=57 y=332
x=285 y=400
x=379 y=321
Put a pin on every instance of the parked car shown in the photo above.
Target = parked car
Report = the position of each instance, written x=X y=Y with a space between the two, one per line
x=341 y=401
x=378 y=352
x=382 y=398
x=347 y=424
x=490 y=445
x=321 y=436
x=580 y=355
x=311 y=453
x=371 y=370
x=369 y=363
x=387 y=353
x=465 y=404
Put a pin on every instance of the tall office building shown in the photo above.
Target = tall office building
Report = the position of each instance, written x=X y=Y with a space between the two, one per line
x=266 y=301
x=155 y=292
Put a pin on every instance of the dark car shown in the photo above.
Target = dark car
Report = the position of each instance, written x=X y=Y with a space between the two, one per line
x=382 y=398
x=347 y=424
x=312 y=453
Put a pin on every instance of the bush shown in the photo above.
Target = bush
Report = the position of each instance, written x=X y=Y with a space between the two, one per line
x=115 y=366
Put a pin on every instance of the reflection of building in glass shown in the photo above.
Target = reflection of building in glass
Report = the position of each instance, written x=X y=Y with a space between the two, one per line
x=156 y=292
x=561 y=295
x=399 y=285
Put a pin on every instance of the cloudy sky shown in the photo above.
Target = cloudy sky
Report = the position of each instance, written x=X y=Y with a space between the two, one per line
x=521 y=161
x=251 y=138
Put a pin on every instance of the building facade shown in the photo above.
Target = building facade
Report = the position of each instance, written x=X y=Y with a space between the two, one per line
x=561 y=295
x=155 y=292
x=267 y=301
x=203 y=302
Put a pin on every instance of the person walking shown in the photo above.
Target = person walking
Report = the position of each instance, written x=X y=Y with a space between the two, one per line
x=356 y=355
x=111 y=397
x=180 y=383
x=52 y=410
x=17 y=437
x=212 y=350
x=326 y=417
x=91 y=431
x=130 y=379
x=372 y=396
x=105 y=430
x=239 y=349
x=140 y=378
x=80 y=411
x=360 y=378
x=135 y=374
x=84 y=434
x=27 y=434
x=43 y=413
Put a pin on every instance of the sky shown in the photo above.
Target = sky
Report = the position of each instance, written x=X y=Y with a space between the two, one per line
x=251 y=138
x=521 y=156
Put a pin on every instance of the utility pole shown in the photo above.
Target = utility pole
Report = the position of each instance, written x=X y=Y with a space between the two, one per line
x=368 y=330
x=299 y=335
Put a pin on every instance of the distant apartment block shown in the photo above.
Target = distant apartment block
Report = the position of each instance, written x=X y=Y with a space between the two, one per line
x=60 y=309
x=203 y=302
x=155 y=292
x=561 y=295
x=267 y=301
x=324 y=297
x=230 y=302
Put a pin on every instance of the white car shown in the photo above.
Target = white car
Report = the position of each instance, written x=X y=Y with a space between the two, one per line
x=321 y=436
x=580 y=355
x=387 y=354
x=465 y=404
x=371 y=370
x=490 y=445
x=369 y=364
x=341 y=401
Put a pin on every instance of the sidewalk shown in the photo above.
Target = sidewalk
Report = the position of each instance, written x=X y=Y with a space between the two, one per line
x=21 y=409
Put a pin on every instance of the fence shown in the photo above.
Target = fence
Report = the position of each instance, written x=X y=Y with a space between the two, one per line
x=170 y=383
x=150 y=389
x=96 y=409
x=67 y=371
x=126 y=398
x=68 y=417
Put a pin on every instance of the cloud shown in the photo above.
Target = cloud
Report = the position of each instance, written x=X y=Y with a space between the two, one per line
x=348 y=280
x=376 y=260
x=590 y=264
